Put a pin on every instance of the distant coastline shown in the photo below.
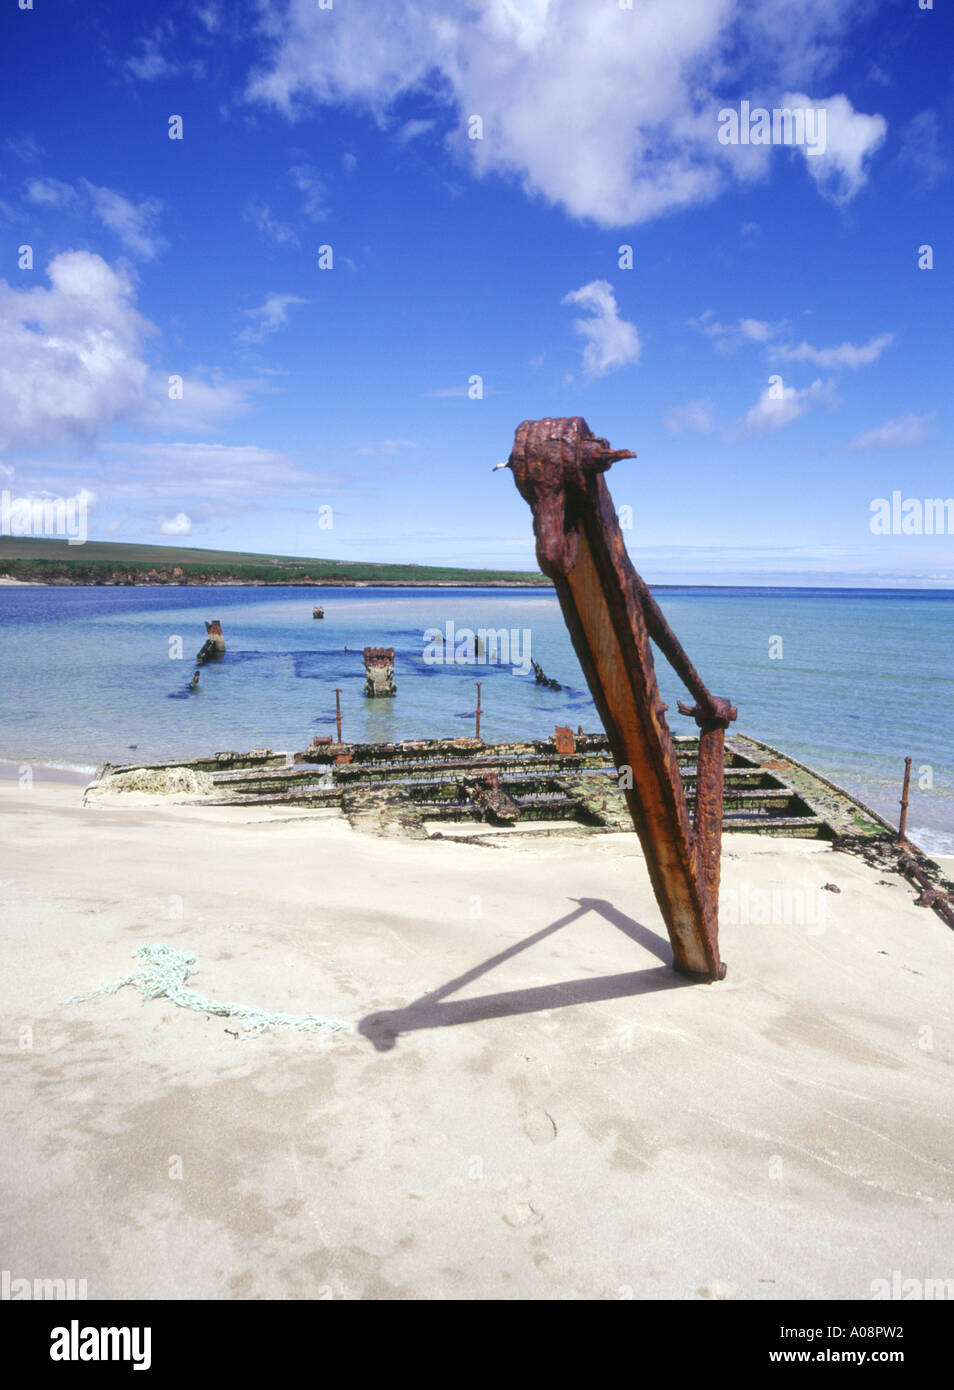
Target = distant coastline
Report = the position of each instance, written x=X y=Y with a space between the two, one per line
x=33 y=560
x=229 y=581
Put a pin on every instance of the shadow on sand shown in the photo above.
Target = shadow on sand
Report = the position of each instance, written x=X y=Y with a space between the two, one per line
x=434 y=1010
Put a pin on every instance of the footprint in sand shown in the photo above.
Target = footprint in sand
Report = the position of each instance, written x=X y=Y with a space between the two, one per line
x=539 y=1126
x=521 y=1214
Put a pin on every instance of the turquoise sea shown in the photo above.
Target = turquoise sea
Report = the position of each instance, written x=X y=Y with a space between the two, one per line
x=864 y=676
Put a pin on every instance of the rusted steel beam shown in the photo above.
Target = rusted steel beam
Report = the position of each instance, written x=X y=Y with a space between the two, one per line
x=903 y=824
x=611 y=615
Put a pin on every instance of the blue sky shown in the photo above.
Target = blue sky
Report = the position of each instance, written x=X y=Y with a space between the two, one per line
x=497 y=257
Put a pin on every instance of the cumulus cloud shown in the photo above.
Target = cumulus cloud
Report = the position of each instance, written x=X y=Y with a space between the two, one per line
x=71 y=358
x=844 y=355
x=269 y=317
x=609 y=113
x=851 y=140
x=178 y=525
x=903 y=433
x=73 y=361
x=612 y=342
x=779 y=405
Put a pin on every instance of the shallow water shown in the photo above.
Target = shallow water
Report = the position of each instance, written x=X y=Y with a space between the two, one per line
x=864 y=677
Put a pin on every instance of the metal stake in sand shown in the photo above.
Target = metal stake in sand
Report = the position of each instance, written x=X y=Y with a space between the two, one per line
x=558 y=467
x=338 y=710
x=904 y=801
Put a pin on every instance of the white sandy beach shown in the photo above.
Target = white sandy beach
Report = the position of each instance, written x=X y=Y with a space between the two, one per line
x=544 y=1110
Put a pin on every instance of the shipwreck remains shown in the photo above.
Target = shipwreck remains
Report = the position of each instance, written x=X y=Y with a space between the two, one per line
x=317 y=612
x=541 y=677
x=379 y=668
x=468 y=790
x=558 y=466
x=213 y=648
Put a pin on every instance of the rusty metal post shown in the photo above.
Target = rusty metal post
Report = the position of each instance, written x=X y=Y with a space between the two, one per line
x=338 y=710
x=478 y=712
x=611 y=615
x=904 y=801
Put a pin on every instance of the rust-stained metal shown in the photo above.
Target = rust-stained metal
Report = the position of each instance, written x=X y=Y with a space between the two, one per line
x=487 y=795
x=563 y=739
x=213 y=648
x=379 y=667
x=903 y=825
x=612 y=616
x=338 y=710
x=930 y=895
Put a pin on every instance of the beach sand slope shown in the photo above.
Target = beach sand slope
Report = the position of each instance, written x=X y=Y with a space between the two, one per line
x=531 y=1104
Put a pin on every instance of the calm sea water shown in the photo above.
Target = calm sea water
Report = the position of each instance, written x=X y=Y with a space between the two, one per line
x=864 y=676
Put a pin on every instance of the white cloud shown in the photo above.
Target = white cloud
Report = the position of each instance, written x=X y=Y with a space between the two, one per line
x=260 y=213
x=727 y=337
x=50 y=193
x=268 y=317
x=70 y=356
x=412 y=129
x=844 y=355
x=851 y=140
x=73 y=363
x=779 y=405
x=132 y=222
x=903 y=433
x=24 y=147
x=219 y=474
x=306 y=180
x=178 y=525
x=612 y=342
x=149 y=62
x=696 y=415
x=609 y=113
x=922 y=149
x=210 y=17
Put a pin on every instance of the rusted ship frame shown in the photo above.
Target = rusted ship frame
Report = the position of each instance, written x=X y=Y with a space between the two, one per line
x=465 y=789
x=558 y=467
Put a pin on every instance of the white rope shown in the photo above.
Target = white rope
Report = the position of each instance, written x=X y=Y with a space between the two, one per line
x=165 y=974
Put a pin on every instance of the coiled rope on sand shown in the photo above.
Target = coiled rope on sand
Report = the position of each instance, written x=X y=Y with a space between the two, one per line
x=164 y=974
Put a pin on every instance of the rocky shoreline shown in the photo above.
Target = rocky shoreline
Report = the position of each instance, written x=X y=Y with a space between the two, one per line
x=160 y=578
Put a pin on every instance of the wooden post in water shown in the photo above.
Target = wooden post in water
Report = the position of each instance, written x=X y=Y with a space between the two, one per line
x=904 y=801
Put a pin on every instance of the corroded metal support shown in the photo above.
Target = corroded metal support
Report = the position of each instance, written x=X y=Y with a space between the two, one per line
x=612 y=616
x=903 y=824
x=379 y=668
x=213 y=648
